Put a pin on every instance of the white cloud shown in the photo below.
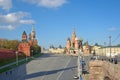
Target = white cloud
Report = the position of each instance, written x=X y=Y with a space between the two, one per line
x=48 y=3
x=13 y=20
x=10 y=27
x=112 y=29
x=12 y=17
x=6 y=4
x=27 y=21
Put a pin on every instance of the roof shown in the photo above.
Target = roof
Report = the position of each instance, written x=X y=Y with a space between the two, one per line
x=71 y=48
x=76 y=38
x=80 y=38
x=24 y=33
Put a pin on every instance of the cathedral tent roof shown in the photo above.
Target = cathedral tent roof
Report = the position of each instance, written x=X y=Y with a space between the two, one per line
x=68 y=39
x=80 y=38
x=76 y=38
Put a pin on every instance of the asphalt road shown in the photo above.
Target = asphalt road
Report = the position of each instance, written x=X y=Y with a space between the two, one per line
x=51 y=67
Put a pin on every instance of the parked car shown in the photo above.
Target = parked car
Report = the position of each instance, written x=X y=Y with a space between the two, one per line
x=112 y=54
x=94 y=57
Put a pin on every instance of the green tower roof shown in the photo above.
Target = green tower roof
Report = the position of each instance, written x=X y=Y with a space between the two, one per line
x=24 y=33
x=81 y=39
x=33 y=27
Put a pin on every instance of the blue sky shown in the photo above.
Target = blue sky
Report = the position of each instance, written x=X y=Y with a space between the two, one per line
x=93 y=20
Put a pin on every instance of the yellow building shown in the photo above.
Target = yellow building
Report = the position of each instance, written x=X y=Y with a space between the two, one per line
x=107 y=51
x=58 y=50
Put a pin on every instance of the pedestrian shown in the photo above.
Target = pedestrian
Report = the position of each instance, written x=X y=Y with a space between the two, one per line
x=81 y=77
x=83 y=72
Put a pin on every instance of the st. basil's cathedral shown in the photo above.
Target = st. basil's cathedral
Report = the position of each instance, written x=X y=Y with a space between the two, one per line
x=74 y=44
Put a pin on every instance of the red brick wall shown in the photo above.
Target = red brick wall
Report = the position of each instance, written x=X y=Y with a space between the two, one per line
x=24 y=48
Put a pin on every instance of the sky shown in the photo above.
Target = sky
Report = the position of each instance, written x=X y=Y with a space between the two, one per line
x=54 y=20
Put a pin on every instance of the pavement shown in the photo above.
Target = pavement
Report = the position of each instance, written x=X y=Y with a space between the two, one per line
x=85 y=76
x=51 y=67
x=47 y=67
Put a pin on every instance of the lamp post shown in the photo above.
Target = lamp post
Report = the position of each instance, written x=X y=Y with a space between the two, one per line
x=105 y=48
x=16 y=57
x=110 y=45
x=32 y=53
x=26 y=57
x=79 y=64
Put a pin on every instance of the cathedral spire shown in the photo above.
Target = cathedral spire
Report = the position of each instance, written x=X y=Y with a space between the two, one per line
x=73 y=38
x=73 y=29
x=87 y=42
x=81 y=39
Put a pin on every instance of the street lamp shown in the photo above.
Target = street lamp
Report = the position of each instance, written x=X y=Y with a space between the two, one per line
x=79 y=64
x=110 y=45
x=105 y=48
x=16 y=57
x=32 y=53
x=26 y=57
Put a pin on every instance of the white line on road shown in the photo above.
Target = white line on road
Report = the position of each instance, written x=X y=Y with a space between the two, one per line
x=43 y=77
x=64 y=68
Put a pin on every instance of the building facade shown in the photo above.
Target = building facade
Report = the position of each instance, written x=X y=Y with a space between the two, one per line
x=58 y=50
x=87 y=49
x=74 y=44
x=26 y=42
x=107 y=51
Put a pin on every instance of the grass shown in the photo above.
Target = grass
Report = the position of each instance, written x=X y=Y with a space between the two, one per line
x=8 y=61
x=20 y=63
x=12 y=66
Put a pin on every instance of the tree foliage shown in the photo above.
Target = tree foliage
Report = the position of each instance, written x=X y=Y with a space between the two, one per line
x=60 y=46
x=84 y=43
x=9 y=44
x=96 y=44
x=118 y=45
x=35 y=49
x=51 y=46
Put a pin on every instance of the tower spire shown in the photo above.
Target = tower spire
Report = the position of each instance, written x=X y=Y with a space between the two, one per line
x=73 y=29
x=33 y=27
x=73 y=38
x=33 y=32
x=87 y=42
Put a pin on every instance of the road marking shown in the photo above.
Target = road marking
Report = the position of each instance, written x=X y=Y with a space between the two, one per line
x=64 y=68
x=44 y=75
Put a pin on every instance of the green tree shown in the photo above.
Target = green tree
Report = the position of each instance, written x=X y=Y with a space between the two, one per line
x=118 y=45
x=96 y=44
x=35 y=49
x=52 y=47
x=9 y=44
x=60 y=46
x=84 y=43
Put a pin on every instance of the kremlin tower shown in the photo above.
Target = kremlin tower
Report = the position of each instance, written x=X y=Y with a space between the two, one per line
x=26 y=43
x=32 y=37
